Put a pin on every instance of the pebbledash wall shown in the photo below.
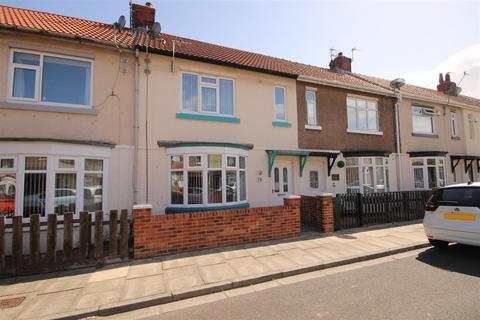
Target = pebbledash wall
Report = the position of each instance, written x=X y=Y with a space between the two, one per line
x=163 y=234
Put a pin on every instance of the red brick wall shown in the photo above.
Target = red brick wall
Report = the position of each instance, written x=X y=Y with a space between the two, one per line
x=161 y=234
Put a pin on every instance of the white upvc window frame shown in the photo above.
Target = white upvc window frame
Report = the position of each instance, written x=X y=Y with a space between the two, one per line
x=315 y=122
x=200 y=85
x=39 y=77
x=51 y=171
x=356 y=109
x=454 y=123
x=421 y=111
x=471 y=126
x=284 y=103
x=205 y=169
x=361 y=173
x=425 y=166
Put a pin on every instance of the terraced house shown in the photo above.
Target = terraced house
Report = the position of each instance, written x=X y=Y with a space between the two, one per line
x=439 y=140
x=97 y=117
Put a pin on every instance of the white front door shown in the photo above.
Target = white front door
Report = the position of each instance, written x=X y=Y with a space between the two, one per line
x=282 y=181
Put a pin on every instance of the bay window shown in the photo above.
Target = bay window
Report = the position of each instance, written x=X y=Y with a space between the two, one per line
x=8 y=186
x=423 y=121
x=428 y=173
x=207 y=179
x=47 y=79
x=41 y=184
x=367 y=174
x=362 y=114
x=208 y=95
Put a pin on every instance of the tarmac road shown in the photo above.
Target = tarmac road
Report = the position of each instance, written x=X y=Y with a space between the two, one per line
x=431 y=284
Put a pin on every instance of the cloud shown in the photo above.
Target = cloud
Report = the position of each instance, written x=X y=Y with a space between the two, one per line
x=467 y=59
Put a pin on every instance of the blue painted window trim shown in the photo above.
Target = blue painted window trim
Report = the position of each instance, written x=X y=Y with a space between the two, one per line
x=205 y=117
x=281 y=124
x=170 y=210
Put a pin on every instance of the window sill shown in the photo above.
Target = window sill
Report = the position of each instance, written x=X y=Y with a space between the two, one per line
x=281 y=124
x=186 y=209
x=313 y=127
x=425 y=135
x=374 y=133
x=205 y=117
x=456 y=138
x=47 y=108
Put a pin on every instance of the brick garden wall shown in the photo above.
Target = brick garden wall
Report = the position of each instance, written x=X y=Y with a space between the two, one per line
x=162 y=234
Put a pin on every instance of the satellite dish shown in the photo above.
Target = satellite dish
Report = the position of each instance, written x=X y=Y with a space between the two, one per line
x=397 y=83
x=120 y=24
x=156 y=29
x=459 y=90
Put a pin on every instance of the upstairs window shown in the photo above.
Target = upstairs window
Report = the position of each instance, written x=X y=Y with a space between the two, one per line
x=310 y=97
x=362 y=114
x=423 y=120
x=453 y=117
x=50 y=79
x=280 y=113
x=208 y=95
x=471 y=127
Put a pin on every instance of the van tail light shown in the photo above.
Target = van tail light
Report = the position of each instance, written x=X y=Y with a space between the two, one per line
x=431 y=207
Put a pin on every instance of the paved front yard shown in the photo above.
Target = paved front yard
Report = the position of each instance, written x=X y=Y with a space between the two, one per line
x=141 y=283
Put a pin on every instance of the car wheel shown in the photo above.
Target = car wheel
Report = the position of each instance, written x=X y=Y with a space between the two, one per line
x=438 y=243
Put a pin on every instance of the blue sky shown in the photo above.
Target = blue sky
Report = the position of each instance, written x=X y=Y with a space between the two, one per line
x=394 y=38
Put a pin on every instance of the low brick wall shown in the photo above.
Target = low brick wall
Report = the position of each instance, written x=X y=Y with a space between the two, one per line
x=317 y=211
x=162 y=234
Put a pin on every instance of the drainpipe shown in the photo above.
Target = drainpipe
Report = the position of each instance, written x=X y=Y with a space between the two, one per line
x=398 y=98
x=136 y=127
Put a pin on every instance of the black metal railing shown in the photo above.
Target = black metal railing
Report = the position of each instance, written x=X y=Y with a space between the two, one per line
x=356 y=210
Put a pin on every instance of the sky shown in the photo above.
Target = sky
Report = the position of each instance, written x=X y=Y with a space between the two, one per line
x=411 y=39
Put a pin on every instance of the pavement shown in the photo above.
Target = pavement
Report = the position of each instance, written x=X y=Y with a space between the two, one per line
x=138 y=284
x=422 y=284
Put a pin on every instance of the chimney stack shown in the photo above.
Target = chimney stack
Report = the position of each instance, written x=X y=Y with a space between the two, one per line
x=341 y=63
x=142 y=16
x=447 y=86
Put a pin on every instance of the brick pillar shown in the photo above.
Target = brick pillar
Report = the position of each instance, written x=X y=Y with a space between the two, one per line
x=292 y=204
x=142 y=215
x=326 y=205
x=292 y=201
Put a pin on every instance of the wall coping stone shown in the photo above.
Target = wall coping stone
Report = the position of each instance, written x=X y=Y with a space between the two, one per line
x=142 y=206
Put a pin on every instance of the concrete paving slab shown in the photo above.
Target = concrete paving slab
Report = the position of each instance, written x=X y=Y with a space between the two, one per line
x=144 y=270
x=182 y=277
x=325 y=253
x=177 y=262
x=109 y=273
x=232 y=254
x=261 y=251
x=63 y=284
x=208 y=259
x=142 y=287
x=306 y=244
x=284 y=246
x=217 y=272
x=300 y=257
x=247 y=266
x=22 y=288
x=104 y=286
x=50 y=304
x=96 y=299
x=276 y=262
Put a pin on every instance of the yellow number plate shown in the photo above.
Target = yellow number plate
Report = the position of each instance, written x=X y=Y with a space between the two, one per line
x=460 y=216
